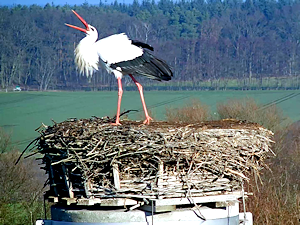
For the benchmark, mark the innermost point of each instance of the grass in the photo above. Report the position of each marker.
(21, 113)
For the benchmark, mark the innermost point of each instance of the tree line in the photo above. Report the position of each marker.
(203, 41)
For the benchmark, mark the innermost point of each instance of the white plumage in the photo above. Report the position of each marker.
(86, 57)
(117, 48)
(118, 55)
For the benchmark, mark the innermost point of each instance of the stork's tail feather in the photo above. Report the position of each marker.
(165, 72)
(147, 65)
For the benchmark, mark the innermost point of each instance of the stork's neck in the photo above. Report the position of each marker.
(89, 40)
(86, 56)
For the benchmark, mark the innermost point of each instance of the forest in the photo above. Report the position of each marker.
(209, 42)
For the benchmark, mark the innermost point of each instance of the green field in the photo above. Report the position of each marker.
(21, 113)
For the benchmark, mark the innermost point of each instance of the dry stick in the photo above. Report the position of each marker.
(83, 164)
(61, 161)
(94, 148)
(32, 142)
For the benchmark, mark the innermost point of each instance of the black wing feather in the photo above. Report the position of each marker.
(147, 65)
(141, 44)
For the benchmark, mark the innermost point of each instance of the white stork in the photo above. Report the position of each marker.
(120, 56)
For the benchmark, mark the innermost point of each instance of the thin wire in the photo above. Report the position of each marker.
(244, 205)
(191, 200)
(45, 210)
(164, 103)
(279, 100)
(228, 213)
(276, 100)
(152, 209)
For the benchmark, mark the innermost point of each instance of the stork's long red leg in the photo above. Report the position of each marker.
(140, 87)
(120, 93)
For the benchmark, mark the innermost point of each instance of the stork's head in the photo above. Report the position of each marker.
(86, 56)
(89, 30)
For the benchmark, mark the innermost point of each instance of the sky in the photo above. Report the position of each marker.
(56, 2)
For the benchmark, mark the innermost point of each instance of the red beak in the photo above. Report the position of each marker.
(82, 20)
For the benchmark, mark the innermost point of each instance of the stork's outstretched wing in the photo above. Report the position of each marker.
(120, 53)
(145, 65)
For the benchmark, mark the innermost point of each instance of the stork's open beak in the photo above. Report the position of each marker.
(82, 20)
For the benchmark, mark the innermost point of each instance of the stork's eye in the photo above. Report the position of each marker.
(92, 29)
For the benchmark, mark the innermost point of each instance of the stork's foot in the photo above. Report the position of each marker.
(117, 123)
(147, 120)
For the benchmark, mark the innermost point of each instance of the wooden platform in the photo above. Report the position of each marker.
(156, 205)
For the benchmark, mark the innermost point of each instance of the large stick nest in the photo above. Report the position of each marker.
(91, 157)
